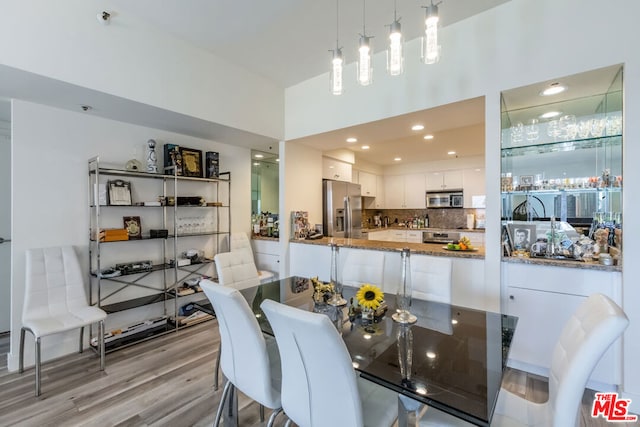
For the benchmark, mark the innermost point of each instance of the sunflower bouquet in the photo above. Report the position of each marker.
(368, 302)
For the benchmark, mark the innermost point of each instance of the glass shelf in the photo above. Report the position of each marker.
(561, 146)
(132, 174)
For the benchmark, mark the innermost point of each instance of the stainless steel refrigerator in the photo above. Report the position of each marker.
(342, 209)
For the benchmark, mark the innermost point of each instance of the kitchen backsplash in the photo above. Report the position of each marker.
(438, 218)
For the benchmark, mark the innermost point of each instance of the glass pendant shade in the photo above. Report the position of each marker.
(336, 72)
(395, 59)
(365, 69)
(430, 41)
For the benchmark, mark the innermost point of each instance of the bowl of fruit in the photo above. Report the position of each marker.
(464, 244)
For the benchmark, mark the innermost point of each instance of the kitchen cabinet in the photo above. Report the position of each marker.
(473, 184)
(414, 236)
(405, 191)
(267, 255)
(368, 184)
(444, 180)
(543, 298)
(380, 235)
(336, 170)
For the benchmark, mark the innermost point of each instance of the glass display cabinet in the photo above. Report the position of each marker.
(561, 157)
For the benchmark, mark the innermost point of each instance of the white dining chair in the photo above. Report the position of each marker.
(363, 267)
(250, 363)
(240, 241)
(319, 384)
(237, 270)
(431, 278)
(55, 301)
(588, 333)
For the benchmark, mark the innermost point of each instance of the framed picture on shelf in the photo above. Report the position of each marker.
(191, 162)
(507, 242)
(526, 182)
(172, 159)
(133, 226)
(119, 192)
(523, 235)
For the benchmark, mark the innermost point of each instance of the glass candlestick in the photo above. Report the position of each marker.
(403, 294)
(336, 298)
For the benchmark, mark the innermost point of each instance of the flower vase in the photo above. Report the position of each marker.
(337, 299)
(403, 294)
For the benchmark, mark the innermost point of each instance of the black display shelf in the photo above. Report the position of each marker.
(135, 302)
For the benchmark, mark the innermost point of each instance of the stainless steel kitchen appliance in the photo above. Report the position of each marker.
(445, 199)
(440, 237)
(342, 209)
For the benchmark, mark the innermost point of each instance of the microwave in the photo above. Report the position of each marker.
(448, 199)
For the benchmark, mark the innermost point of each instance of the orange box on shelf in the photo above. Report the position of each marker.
(113, 234)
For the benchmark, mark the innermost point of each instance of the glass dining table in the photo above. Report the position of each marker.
(451, 359)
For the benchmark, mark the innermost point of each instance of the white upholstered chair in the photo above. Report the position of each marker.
(431, 278)
(55, 301)
(594, 326)
(319, 384)
(240, 241)
(237, 270)
(249, 362)
(363, 267)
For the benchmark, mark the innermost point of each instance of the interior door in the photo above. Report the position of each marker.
(5, 227)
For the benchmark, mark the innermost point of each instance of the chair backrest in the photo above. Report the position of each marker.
(592, 328)
(244, 360)
(236, 269)
(319, 385)
(431, 278)
(239, 241)
(54, 282)
(363, 267)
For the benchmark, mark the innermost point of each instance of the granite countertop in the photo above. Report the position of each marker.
(395, 227)
(436, 249)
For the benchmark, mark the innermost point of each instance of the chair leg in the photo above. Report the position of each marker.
(216, 374)
(101, 344)
(273, 416)
(261, 413)
(37, 366)
(225, 392)
(288, 423)
(80, 347)
(21, 361)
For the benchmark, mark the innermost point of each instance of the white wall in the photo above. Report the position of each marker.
(5, 225)
(134, 60)
(49, 193)
(515, 44)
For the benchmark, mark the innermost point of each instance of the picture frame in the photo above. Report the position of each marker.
(172, 159)
(507, 241)
(191, 162)
(119, 192)
(526, 182)
(133, 226)
(522, 235)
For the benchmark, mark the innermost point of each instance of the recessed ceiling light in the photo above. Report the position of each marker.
(259, 156)
(417, 127)
(550, 114)
(256, 164)
(352, 139)
(397, 159)
(277, 160)
(553, 89)
(428, 136)
(365, 147)
(451, 153)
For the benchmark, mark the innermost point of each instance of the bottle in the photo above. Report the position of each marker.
(426, 221)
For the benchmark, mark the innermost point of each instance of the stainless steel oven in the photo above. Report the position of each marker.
(448, 199)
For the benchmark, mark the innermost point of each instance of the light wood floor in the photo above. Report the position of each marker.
(162, 382)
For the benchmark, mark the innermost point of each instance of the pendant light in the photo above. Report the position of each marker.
(337, 62)
(430, 41)
(395, 59)
(364, 69)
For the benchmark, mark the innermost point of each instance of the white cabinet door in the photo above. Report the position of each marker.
(414, 191)
(414, 236)
(473, 184)
(444, 180)
(380, 199)
(381, 235)
(368, 183)
(394, 192)
(335, 169)
(397, 235)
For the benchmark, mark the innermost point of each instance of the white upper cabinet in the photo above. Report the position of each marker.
(336, 170)
(473, 181)
(368, 183)
(405, 191)
(444, 180)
